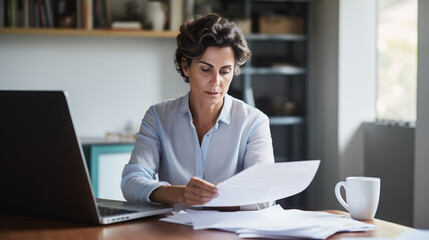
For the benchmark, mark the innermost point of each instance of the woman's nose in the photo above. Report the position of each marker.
(215, 79)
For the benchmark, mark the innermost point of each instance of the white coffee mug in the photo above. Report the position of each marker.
(362, 194)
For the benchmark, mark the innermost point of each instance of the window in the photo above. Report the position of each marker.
(397, 60)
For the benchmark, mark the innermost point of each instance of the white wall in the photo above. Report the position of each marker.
(421, 167)
(110, 80)
(357, 81)
(341, 91)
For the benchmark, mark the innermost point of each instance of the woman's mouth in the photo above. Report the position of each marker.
(212, 93)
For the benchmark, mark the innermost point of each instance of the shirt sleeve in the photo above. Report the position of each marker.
(259, 149)
(139, 176)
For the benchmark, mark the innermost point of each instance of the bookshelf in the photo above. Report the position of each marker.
(83, 32)
(87, 18)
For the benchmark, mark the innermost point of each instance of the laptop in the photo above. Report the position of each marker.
(43, 172)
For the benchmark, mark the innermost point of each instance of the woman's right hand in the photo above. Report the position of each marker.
(198, 192)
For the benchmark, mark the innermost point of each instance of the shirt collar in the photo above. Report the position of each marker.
(225, 114)
(184, 105)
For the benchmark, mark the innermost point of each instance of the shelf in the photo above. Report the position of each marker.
(105, 141)
(276, 37)
(286, 120)
(82, 32)
(286, 70)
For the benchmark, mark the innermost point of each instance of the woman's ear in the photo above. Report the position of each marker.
(185, 67)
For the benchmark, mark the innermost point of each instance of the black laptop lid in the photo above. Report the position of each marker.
(42, 170)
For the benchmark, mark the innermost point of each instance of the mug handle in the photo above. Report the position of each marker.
(338, 194)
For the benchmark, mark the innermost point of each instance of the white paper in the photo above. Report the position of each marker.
(181, 217)
(265, 182)
(273, 222)
(233, 220)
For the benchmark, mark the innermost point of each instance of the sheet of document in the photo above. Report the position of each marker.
(273, 222)
(265, 182)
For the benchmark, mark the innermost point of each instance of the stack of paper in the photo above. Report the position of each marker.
(273, 222)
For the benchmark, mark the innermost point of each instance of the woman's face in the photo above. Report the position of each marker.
(210, 76)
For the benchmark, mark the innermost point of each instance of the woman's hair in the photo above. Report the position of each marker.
(212, 30)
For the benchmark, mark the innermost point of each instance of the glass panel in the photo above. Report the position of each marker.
(397, 60)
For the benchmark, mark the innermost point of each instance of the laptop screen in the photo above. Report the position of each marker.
(42, 170)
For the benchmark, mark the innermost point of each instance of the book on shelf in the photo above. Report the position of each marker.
(86, 13)
(48, 8)
(95, 14)
(35, 10)
(11, 12)
(79, 14)
(42, 16)
(27, 13)
(2, 13)
(131, 25)
(176, 14)
(99, 14)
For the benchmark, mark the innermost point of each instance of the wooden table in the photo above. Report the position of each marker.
(22, 228)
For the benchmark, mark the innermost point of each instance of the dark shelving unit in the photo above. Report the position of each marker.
(275, 79)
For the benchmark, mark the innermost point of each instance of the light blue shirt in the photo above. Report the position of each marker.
(167, 144)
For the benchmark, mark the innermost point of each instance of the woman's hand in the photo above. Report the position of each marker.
(198, 192)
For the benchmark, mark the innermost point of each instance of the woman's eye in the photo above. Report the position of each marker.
(225, 72)
(205, 69)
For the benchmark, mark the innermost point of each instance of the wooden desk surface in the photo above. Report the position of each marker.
(20, 227)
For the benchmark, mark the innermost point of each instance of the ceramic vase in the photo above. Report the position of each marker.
(154, 15)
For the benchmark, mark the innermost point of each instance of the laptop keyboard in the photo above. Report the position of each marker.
(107, 212)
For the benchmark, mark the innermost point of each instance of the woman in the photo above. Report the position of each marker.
(205, 136)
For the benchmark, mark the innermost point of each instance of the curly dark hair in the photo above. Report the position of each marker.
(212, 30)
